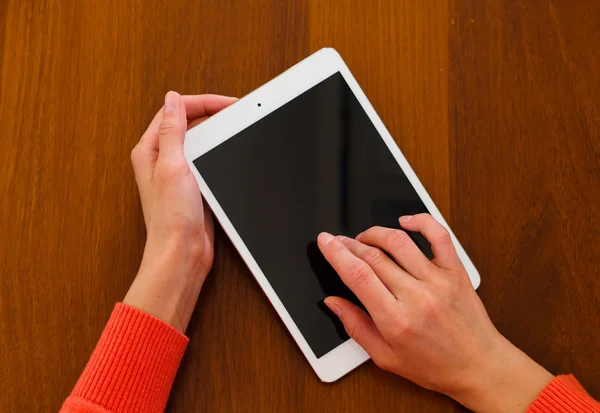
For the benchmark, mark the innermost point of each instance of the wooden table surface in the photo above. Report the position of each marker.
(494, 103)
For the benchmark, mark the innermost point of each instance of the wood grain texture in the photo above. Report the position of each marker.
(525, 143)
(495, 105)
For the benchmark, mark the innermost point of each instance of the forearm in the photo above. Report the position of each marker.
(514, 383)
(168, 283)
(132, 368)
(509, 383)
(135, 361)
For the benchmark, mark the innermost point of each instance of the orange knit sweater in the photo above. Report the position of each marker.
(135, 362)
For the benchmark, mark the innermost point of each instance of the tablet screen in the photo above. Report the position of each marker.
(315, 164)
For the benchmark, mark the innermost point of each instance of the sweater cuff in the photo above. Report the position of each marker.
(564, 394)
(134, 363)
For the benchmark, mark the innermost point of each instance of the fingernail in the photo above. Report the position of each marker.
(324, 238)
(358, 236)
(171, 102)
(331, 305)
(405, 219)
(340, 238)
(232, 98)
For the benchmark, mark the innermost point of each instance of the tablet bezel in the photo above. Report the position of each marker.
(250, 109)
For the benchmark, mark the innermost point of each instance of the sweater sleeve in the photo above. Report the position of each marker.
(564, 394)
(132, 368)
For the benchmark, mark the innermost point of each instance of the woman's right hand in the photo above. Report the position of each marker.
(427, 323)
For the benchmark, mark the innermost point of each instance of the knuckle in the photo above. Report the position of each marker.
(444, 237)
(374, 256)
(429, 221)
(432, 306)
(427, 218)
(359, 274)
(396, 239)
(166, 128)
(335, 246)
(372, 233)
(354, 332)
(453, 287)
(172, 168)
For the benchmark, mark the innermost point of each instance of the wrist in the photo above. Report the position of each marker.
(508, 381)
(167, 284)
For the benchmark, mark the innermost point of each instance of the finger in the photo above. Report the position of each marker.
(145, 153)
(362, 329)
(399, 245)
(392, 276)
(197, 121)
(356, 274)
(209, 234)
(205, 105)
(438, 236)
(209, 226)
(150, 137)
(171, 131)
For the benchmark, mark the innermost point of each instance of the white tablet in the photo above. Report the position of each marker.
(302, 154)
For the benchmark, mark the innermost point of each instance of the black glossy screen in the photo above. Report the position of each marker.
(315, 164)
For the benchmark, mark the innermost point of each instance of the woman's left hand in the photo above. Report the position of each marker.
(179, 244)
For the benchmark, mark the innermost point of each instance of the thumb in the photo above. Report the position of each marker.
(171, 131)
(363, 330)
